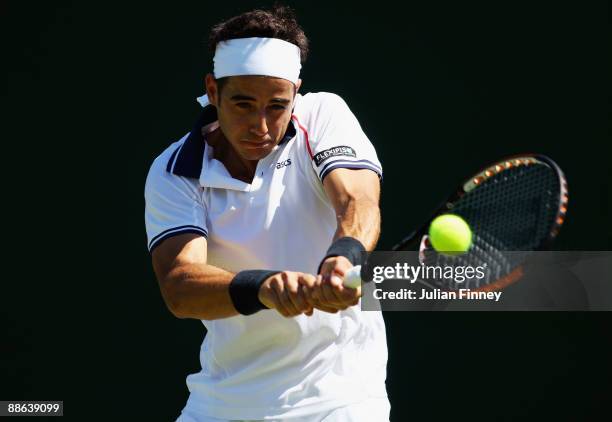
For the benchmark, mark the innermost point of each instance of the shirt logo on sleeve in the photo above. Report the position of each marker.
(341, 150)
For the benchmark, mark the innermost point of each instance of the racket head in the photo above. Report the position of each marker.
(513, 206)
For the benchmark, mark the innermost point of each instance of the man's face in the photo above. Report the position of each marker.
(253, 112)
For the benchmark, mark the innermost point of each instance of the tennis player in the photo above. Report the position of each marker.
(252, 219)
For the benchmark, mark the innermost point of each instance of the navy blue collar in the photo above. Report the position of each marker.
(187, 160)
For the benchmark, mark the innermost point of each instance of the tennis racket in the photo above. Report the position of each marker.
(513, 206)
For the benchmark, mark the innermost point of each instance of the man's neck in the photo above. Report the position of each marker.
(238, 167)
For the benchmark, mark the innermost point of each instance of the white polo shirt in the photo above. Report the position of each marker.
(264, 364)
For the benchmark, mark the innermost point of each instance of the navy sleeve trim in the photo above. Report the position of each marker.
(351, 165)
(352, 162)
(175, 232)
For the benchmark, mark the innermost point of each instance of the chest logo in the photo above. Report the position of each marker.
(282, 164)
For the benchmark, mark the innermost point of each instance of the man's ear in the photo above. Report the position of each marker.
(298, 85)
(211, 89)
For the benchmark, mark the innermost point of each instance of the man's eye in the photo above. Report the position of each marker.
(278, 107)
(243, 105)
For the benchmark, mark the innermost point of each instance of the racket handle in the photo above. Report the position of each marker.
(352, 278)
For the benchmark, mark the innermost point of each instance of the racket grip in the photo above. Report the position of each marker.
(352, 278)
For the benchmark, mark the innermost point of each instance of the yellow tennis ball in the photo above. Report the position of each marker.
(450, 234)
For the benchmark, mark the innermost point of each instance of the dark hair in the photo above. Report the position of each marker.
(278, 22)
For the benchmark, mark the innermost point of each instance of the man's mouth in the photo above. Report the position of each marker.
(256, 144)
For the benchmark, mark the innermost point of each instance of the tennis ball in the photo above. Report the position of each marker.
(450, 234)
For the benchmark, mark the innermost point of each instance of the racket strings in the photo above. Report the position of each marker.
(493, 263)
(517, 205)
(512, 211)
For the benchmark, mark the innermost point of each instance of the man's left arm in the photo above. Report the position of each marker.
(355, 196)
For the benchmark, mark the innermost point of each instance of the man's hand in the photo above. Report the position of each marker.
(294, 293)
(288, 292)
(329, 294)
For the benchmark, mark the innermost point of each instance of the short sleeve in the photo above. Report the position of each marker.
(173, 205)
(338, 140)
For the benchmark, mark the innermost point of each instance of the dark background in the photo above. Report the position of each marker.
(92, 93)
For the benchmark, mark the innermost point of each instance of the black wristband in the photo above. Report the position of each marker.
(244, 290)
(348, 247)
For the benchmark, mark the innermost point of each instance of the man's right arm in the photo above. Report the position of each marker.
(190, 287)
(193, 289)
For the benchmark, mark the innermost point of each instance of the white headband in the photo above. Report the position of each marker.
(258, 56)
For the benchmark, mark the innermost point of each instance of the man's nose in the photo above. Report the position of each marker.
(260, 125)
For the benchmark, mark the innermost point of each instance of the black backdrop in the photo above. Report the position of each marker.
(95, 92)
